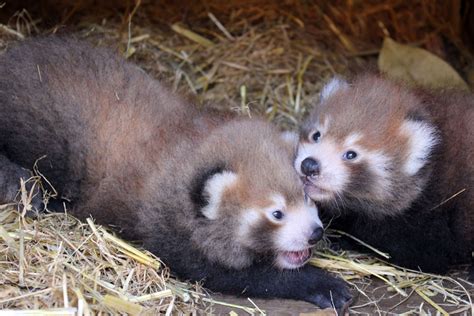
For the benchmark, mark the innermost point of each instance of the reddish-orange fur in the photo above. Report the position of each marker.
(124, 149)
(416, 222)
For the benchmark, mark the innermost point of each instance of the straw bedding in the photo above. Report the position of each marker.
(253, 57)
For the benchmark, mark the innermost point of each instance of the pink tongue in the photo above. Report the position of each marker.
(298, 256)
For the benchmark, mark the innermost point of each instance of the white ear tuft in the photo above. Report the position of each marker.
(291, 138)
(334, 85)
(214, 188)
(422, 138)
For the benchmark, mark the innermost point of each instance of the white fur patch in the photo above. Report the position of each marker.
(334, 174)
(378, 163)
(252, 216)
(294, 229)
(334, 85)
(248, 219)
(352, 139)
(422, 138)
(324, 127)
(321, 126)
(279, 201)
(215, 187)
(299, 223)
(290, 137)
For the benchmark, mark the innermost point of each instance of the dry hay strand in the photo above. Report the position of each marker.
(445, 295)
(255, 56)
(51, 263)
(266, 57)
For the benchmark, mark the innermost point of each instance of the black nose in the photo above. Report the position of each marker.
(316, 236)
(310, 167)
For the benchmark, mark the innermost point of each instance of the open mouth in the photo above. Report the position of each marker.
(295, 259)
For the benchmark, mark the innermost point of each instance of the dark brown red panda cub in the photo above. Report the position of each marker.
(215, 198)
(394, 167)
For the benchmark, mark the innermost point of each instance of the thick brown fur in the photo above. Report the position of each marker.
(122, 148)
(423, 220)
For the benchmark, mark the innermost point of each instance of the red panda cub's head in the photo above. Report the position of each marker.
(251, 201)
(366, 147)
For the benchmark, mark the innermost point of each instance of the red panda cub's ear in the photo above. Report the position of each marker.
(214, 188)
(422, 139)
(334, 85)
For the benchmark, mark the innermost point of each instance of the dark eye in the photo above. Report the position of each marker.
(278, 214)
(350, 155)
(316, 136)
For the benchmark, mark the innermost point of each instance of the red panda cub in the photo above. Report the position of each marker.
(216, 198)
(393, 166)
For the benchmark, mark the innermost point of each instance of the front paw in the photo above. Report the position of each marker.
(327, 291)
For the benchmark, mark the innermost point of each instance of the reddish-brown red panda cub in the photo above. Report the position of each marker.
(215, 198)
(394, 167)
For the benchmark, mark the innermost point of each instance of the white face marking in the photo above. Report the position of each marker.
(295, 228)
(351, 140)
(278, 203)
(323, 127)
(298, 224)
(249, 218)
(290, 137)
(422, 138)
(334, 173)
(334, 85)
(252, 216)
(215, 187)
(378, 163)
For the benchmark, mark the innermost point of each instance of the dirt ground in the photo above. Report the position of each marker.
(377, 299)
